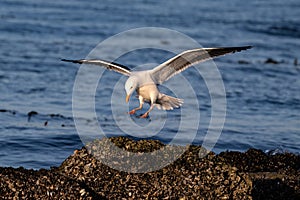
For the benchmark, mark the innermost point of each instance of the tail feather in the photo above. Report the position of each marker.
(166, 102)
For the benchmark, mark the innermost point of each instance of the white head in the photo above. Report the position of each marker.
(130, 86)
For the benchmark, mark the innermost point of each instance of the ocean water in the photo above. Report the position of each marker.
(37, 128)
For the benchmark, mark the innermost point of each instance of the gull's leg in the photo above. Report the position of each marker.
(145, 115)
(153, 99)
(141, 99)
(153, 93)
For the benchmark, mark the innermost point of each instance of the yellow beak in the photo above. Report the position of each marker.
(127, 98)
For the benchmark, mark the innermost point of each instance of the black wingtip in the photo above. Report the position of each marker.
(242, 48)
(72, 61)
(66, 60)
(248, 47)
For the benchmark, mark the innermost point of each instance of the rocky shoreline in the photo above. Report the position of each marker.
(228, 175)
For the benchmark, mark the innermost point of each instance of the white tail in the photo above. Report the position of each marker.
(166, 102)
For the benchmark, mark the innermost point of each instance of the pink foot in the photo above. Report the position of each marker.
(144, 115)
(131, 112)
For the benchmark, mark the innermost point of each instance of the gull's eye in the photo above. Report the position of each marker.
(131, 87)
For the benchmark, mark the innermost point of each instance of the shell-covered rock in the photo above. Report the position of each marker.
(189, 177)
(193, 174)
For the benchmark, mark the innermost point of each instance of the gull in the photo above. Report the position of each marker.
(145, 82)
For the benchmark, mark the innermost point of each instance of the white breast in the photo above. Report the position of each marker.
(148, 92)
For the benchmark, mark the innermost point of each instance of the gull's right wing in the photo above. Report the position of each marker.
(187, 58)
(108, 65)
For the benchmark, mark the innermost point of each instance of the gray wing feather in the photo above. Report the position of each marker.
(108, 65)
(182, 61)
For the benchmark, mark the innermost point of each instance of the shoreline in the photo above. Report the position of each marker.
(228, 175)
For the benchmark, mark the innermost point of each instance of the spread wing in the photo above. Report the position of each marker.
(108, 65)
(182, 61)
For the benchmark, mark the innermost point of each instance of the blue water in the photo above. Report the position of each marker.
(263, 100)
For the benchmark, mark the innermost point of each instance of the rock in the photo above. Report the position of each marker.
(189, 177)
(243, 62)
(273, 176)
(196, 174)
(272, 61)
(30, 114)
(43, 184)
(295, 62)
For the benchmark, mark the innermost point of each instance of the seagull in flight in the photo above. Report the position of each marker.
(145, 82)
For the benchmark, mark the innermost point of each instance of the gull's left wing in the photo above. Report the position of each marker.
(182, 61)
(108, 65)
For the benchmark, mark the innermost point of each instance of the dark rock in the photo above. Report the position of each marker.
(189, 177)
(295, 62)
(30, 114)
(9, 111)
(43, 184)
(243, 62)
(272, 61)
(273, 176)
(196, 174)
